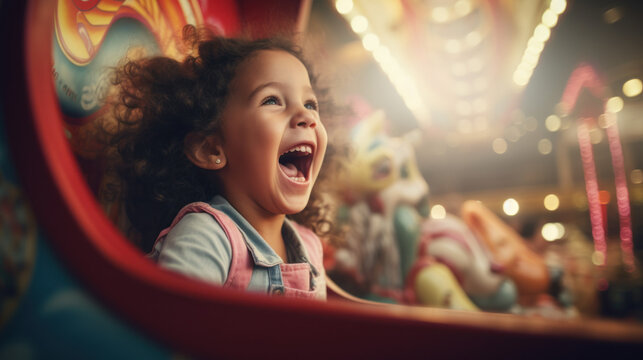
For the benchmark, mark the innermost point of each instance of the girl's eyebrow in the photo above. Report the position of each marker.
(275, 84)
(263, 86)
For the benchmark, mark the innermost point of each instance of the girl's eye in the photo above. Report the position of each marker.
(270, 100)
(311, 105)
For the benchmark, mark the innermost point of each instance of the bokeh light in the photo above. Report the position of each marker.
(551, 202)
(438, 212)
(552, 231)
(370, 42)
(510, 207)
(344, 6)
(636, 176)
(552, 123)
(359, 24)
(632, 87)
(545, 146)
(549, 18)
(499, 145)
(440, 14)
(598, 258)
(558, 6)
(614, 104)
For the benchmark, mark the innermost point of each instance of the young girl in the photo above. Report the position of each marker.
(214, 152)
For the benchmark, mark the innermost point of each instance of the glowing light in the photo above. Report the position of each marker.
(521, 78)
(558, 6)
(359, 24)
(598, 258)
(622, 198)
(595, 136)
(535, 46)
(440, 14)
(344, 6)
(591, 187)
(382, 54)
(552, 123)
(510, 207)
(604, 197)
(438, 212)
(542, 33)
(549, 18)
(632, 87)
(606, 120)
(370, 42)
(462, 7)
(499, 145)
(530, 60)
(614, 104)
(544, 146)
(613, 15)
(552, 231)
(473, 38)
(551, 202)
(636, 176)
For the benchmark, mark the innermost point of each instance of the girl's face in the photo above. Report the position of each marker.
(274, 142)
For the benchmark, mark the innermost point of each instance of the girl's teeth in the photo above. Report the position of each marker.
(303, 148)
(298, 179)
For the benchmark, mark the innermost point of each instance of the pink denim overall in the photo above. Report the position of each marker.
(292, 280)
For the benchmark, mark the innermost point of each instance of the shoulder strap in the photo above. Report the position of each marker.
(241, 265)
(312, 243)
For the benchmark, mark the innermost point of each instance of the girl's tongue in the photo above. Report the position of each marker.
(291, 170)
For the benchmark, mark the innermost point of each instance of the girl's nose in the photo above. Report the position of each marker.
(304, 118)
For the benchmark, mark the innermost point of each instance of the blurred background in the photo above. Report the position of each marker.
(531, 107)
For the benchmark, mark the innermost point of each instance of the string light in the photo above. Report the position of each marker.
(536, 43)
(591, 186)
(403, 83)
(359, 24)
(614, 104)
(344, 6)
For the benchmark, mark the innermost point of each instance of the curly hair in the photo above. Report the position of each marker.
(160, 101)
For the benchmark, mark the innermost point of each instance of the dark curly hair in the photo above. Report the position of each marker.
(158, 102)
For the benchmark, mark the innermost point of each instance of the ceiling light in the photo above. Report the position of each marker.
(359, 24)
(632, 87)
(344, 6)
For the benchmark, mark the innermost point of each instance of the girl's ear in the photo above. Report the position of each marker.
(205, 152)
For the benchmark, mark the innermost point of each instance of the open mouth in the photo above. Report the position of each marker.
(295, 162)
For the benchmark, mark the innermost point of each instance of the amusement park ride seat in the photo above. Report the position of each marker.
(204, 320)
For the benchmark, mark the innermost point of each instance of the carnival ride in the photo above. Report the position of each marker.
(75, 287)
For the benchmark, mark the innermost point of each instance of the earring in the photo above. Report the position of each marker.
(217, 161)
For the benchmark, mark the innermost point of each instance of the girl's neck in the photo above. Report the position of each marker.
(267, 225)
